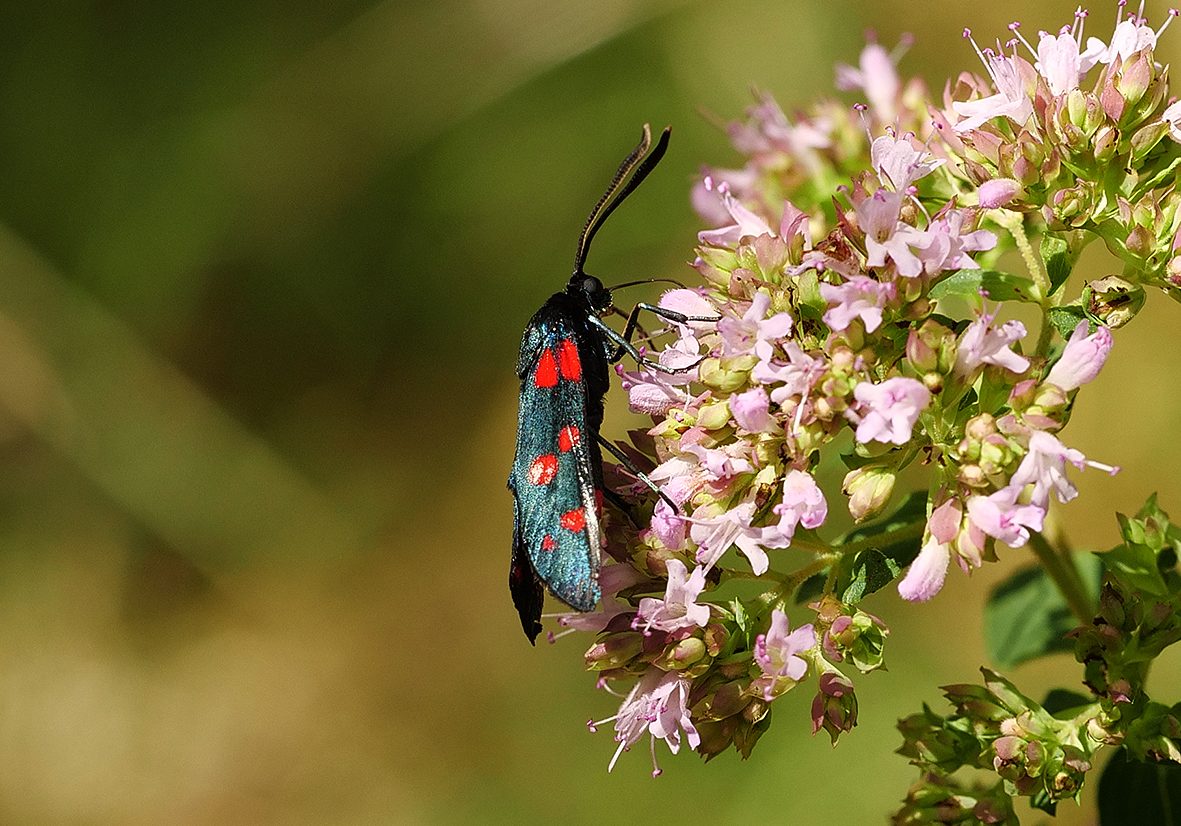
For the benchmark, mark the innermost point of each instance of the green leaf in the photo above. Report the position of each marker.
(1061, 699)
(1132, 793)
(869, 571)
(1026, 615)
(1065, 318)
(963, 283)
(1058, 260)
(892, 544)
(811, 588)
(1000, 286)
(1135, 566)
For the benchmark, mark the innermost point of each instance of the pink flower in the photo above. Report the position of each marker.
(877, 77)
(925, 577)
(859, 297)
(885, 237)
(1082, 359)
(740, 335)
(667, 523)
(691, 303)
(678, 609)
(720, 463)
(655, 392)
(803, 504)
(612, 580)
(1044, 466)
(983, 344)
(794, 378)
(746, 223)
(1060, 62)
(778, 655)
(943, 247)
(890, 409)
(658, 705)
(1013, 79)
(751, 411)
(1130, 36)
(899, 163)
(715, 535)
(1002, 518)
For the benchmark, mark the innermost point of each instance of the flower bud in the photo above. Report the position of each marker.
(998, 192)
(1146, 138)
(714, 416)
(1132, 80)
(726, 374)
(1105, 142)
(869, 489)
(834, 708)
(680, 655)
(614, 650)
(1113, 300)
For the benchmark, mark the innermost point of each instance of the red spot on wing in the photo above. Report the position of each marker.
(568, 361)
(568, 438)
(573, 521)
(548, 544)
(543, 470)
(546, 374)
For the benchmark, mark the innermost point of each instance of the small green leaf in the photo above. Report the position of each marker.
(962, 283)
(1061, 699)
(1065, 318)
(811, 588)
(870, 571)
(1135, 566)
(1058, 260)
(1003, 286)
(1026, 615)
(1132, 793)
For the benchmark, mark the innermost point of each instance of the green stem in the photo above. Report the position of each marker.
(1014, 222)
(1065, 575)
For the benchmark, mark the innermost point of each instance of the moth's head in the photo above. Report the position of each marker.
(590, 290)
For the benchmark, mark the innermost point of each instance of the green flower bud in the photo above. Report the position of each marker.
(714, 416)
(614, 651)
(869, 489)
(1133, 78)
(682, 654)
(1105, 143)
(727, 374)
(1146, 138)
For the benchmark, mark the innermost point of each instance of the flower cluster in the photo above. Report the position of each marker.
(851, 268)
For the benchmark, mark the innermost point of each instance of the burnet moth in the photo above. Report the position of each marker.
(557, 474)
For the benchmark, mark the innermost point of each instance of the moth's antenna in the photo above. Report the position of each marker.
(615, 287)
(637, 164)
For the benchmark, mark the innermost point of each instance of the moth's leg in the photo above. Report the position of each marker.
(635, 471)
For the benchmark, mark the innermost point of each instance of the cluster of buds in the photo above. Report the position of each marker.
(851, 270)
(995, 727)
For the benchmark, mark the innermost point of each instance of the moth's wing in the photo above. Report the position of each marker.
(526, 587)
(553, 478)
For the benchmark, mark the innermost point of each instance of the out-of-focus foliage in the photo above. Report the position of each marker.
(262, 272)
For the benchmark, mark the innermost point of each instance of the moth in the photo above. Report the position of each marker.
(557, 474)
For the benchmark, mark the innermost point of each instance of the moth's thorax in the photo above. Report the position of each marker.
(590, 291)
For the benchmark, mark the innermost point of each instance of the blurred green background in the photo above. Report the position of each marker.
(263, 271)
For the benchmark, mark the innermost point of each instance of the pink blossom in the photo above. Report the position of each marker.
(691, 303)
(899, 163)
(889, 410)
(1172, 116)
(769, 131)
(885, 237)
(720, 463)
(679, 608)
(704, 195)
(1130, 36)
(803, 504)
(667, 523)
(1082, 359)
(740, 335)
(944, 246)
(997, 193)
(794, 378)
(751, 411)
(1060, 62)
(655, 392)
(715, 535)
(983, 344)
(746, 223)
(1044, 466)
(657, 705)
(1002, 518)
(1013, 79)
(925, 577)
(859, 297)
(778, 655)
(877, 77)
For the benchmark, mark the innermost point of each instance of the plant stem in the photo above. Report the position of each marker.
(1015, 224)
(1066, 577)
